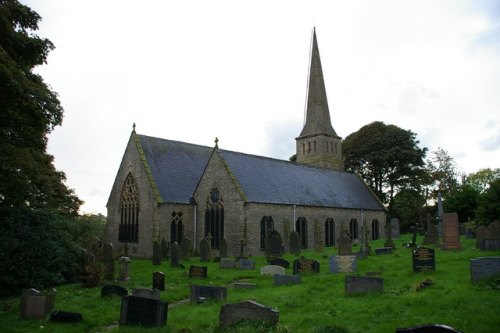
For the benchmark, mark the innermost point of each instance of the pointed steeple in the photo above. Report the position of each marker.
(317, 112)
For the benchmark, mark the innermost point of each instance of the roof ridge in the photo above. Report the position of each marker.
(174, 141)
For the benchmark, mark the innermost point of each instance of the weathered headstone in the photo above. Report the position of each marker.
(198, 271)
(433, 328)
(246, 310)
(204, 250)
(207, 292)
(318, 237)
(124, 269)
(113, 290)
(305, 266)
(294, 243)
(274, 244)
(365, 243)
(285, 279)
(227, 263)
(488, 237)
(35, 305)
(174, 254)
(109, 261)
(344, 243)
(186, 248)
(363, 284)
(451, 232)
(159, 281)
(388, 234)
(383, 250)
(431, 237)
(485, 268)
(223, 248)
(271, 270)
(246, 264)
(243, 249)
(423, 260)
(343, 264)
(395, 228)
(143, 311)
(92, 269)
(164, 248)
(146, 293)
(280, 262)
(156, 253)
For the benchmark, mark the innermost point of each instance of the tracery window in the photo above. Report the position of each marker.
(266, 225)
(353, 229)
(301, 228)
(128, 230)
(329, 232)
(176, 227)
(214, 218)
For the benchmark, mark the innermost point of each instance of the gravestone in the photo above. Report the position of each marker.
(186, 248)
(164, 248)
(92, 269)
(143, 311)
(274, 244)
(109, 261)
(294, 243)
(365, 244)
(485, 268)
(156, 253)
(174, 254)
(305, 266)
(344, 243)
(124, 269)
(489, 244)
(246, 310)
(204, 250)
(246, 264)
(113, 290)
(431, 237)
(280, 262)
(383, 250)
(271, 270)
(286, 279)
(423, 260)
(35, 305)
(159, 281)
(286, 235)
(318, 237)
(488, 236)
(223, 248)
(363, 284)
(433, 328)
(343, 264)
(227, 263)
(146, 293)
(207, 292)
(395, 233)
(243, 248)
(451, 232)
(66, 317)
(388, 234)
(198, 271)
(244, 285)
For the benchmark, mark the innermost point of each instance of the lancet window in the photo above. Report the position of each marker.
(214, 218)
(301, 228)
(329, 232)
(176, 227)
(128, 230)
(266, 225)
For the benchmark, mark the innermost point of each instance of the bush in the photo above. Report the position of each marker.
(36, 250)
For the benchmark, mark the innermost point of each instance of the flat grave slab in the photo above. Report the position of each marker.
(207, 292)
(286, 279)
(272, 270)
(363, 284)
(198, 271)
(246, 264)
(485, 268)
(227, 263)
(383, 250)
(343, 263)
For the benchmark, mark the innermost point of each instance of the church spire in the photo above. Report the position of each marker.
(317, 112)
(318, 144)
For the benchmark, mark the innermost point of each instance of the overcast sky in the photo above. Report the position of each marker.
(237, 70)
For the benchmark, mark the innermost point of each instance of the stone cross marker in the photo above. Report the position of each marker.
(124, 269)
(451, 232)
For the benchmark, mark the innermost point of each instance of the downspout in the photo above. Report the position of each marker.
(293, 222)
(193, 202)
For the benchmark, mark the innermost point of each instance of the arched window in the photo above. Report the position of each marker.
(329, 232)
(214, 219)
(375, 230)
(266, 225)
(176, 227)
(128, 230)
(301, 228)
(353, 228)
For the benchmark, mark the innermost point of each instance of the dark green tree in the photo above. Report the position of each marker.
(463, 200)
(29, 112)
(482, 179)
(408, 207)
(488, 209)
(443, 174)
(387, 157)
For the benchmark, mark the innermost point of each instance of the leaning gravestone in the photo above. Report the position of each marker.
(35, 305)
(156, 253)
(305, 266)
(143, 311)
(159, 281)
(124, 269)
(246, 310)
(344, 244)
(204, 250)
(207, 292)
(198, 271)
(271, 270)
(146, 293)
(286, 279)
(174, 254)
(395, 228)
(109, 261)
(113, 290)
(424, 260)
(485, 268)
(451, 232)
(246, 264)
(185, 248)
(343, 264)
(294, 243)
(223, 248)
(363, 284)
(280, 262)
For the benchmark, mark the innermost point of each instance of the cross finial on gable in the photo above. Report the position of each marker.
(133, 127)
(216, 142)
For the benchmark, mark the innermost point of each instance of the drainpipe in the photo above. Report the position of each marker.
(193, 202)
(294, 207)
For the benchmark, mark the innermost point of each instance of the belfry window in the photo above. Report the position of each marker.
(329, 232)
(308, 147)
(303, 148)
(266, 226)
(176, 227)
(314, 145)
(301, 228)
(128, 230)
(214, 218)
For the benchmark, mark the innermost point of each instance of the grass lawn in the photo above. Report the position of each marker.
(319, 304)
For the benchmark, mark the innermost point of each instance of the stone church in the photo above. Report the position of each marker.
(166, 189)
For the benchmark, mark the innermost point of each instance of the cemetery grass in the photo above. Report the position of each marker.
(318, 304)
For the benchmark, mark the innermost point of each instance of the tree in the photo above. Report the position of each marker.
(442, 172)
(481, 179)
(408, 207)
(488, 209)
(462, 200)
(386, 157)
(29, 112)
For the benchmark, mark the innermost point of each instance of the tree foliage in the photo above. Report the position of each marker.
(462, 200)
(387, 157)
(29, 112)
(482, 179)
(488, 209)
(443, 174)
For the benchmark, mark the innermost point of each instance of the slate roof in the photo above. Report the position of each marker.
(177, 167)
